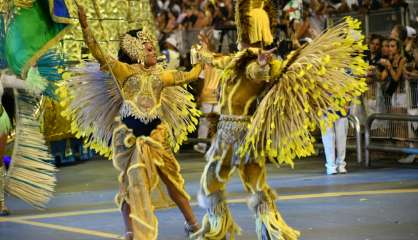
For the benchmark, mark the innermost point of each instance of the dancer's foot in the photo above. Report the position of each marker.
(200, 147)
(129, 236)
(191, 228)
(3, 210)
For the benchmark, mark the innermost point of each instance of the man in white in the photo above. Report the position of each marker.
(335, 140)
(171, 53)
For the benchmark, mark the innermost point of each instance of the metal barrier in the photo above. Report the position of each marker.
(353, 122)
(356, 125)
(386, 147)
(373, 20)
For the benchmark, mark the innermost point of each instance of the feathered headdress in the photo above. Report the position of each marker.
(253, 19)
(134, 46)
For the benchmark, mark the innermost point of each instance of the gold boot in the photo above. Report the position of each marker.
(269, 223)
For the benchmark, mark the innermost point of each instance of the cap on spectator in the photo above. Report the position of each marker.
(411, 32)
(172, 40)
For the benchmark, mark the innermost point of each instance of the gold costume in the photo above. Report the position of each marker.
(210, 88)
(268, 112)
(146, 94)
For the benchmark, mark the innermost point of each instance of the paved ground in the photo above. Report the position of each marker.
(366, 204)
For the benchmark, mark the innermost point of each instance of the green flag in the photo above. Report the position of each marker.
(32, 31)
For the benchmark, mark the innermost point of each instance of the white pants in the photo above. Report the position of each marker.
(204, 123)
(335, 140)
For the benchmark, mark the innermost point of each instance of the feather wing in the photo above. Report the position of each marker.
(180, 113)
(311, 83)
(92, 101)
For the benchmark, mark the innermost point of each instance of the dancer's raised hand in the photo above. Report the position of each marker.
(264, 57)
(204, 39)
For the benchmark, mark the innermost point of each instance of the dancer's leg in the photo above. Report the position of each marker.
(169, 173)
(269, 223)
(181, 201)
(217, 222)
(126, 211)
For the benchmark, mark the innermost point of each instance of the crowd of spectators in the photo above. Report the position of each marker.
(197, 14)
(393, 58)
(299, 21)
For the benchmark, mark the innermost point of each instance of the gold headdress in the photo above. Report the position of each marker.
(134, 46)
(253, 19)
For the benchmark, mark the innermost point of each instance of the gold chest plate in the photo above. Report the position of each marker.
(142, 93)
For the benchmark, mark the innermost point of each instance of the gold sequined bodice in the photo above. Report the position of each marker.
(142, 92)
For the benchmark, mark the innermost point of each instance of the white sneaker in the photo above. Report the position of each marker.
(342, 169)
(200, 148)
(408, 159)
(332, 171)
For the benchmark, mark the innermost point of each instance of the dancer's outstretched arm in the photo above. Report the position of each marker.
(176, 78)
(217, 60)
(120, 70)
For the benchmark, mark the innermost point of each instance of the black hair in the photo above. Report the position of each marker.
(122, 56)
(376, 36)
(403, 34)
(398, 43)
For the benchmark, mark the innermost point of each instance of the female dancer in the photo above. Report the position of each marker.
(152, 113)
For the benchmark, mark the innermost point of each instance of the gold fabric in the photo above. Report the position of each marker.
(136, 80)
(223, 158)
(259, 27)
(54, 126)
(239, 92)
(223, 153)
(210, 85)
(116, 17)
(141, 189)
(144, 89)
(152, 92)
(253, 19)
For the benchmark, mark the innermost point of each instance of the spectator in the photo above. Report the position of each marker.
(312, 25)
(169, 6)
(334, 140)
(399, 33)
(373, 95)
(171, 53)
(411, 74)
(369, 5)
(393, 68)
(294, 10)
(162, 19)
(166, 22)
(411, 71)
(410, 43)
(385, 49)
(374, 53)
